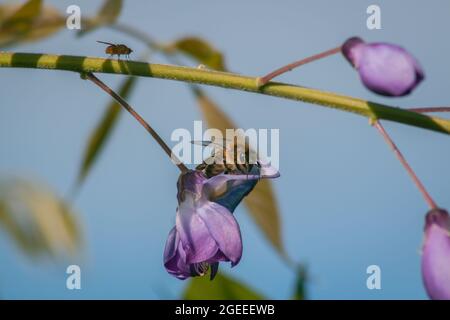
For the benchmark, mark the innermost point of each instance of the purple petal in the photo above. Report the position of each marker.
(228, 190)
(219, 185)
(388, 69)
(384, 68)
(352, 49)
(267, 171)
(224, 228)
(191, 181)
(170, 249)
(175, 257)
(195, 237)
(436, 255)
(235, 192)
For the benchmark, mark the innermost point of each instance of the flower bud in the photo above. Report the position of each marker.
(436, 255)
(384, 68)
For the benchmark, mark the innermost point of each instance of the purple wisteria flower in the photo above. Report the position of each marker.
(436, 255)
(384, 68)
(206, 232)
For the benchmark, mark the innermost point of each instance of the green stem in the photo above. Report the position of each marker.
(234, 81)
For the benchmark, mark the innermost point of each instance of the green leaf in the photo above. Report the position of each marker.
(37, 219)
(107, 14)
(221, 288)
(29, 22)
(261, 202)
(103, 130)
(263, 207)
(201, 51)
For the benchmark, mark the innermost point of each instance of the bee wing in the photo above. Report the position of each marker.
(224, 143)
(204, 143)
(216, 147)
(239, 140)
(209, 143)
(108, 43)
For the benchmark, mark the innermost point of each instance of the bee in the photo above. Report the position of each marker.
(228, 157)
(117, 49)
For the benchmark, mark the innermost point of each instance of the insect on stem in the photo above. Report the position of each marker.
(263, 80)
(144, 123)
(116, 49)
(405, 164)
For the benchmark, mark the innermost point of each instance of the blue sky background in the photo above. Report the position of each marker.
(346, 202)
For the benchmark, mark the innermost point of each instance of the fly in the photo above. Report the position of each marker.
(117, 49)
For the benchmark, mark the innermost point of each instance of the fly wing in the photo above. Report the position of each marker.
(108, 43)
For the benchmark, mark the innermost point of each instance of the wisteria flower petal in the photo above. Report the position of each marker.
(194, 234)
(436, 255)
(235, 192)
(175, 257)
(238, 188)
(268, 171)
(224, 228)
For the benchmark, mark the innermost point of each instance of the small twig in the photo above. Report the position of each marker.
(405, 164)
(263, 80)
(429, 109)
(144, 123)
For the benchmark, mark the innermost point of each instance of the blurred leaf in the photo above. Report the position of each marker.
(49, 22)
(221, 288)
(110, 11)
(29, 22)
(262, 205)
(300, 283)
(212, 113)
(261, 202)
(39, 221)
(21, 21)
(201, 51)
(108, 14)
(103, 130)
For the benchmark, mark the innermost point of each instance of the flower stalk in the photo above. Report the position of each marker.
(144, 123)
(376, 123)
(431, 203)
(264, 80)
(429, 109)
